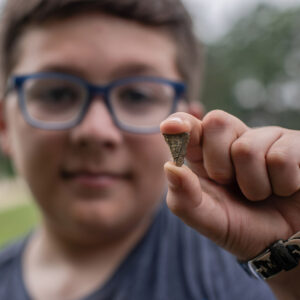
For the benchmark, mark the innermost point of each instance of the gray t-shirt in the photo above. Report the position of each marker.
(171, 262)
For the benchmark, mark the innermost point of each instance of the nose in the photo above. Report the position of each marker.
(97, 126)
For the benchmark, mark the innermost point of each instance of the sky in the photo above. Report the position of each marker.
(213, 18)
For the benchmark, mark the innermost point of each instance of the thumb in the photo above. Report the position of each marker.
(197, 209)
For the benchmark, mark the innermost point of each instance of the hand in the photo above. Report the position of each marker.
(241, 187)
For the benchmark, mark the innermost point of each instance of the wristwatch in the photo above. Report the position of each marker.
(282, 255)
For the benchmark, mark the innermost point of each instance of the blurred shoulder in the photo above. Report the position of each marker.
(11, 253)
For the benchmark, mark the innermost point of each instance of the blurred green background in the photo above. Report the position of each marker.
(252, 72)
(18, 214)
(16, 222)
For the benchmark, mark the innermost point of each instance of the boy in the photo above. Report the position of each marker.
(87, 84)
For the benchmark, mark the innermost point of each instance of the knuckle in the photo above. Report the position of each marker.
(285, 191)
(286, 188)
(243, 150)
(215, 119)
(278, 159)
(220, 176)
(258, 195)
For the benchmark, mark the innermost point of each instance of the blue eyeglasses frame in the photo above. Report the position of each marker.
(17, 82)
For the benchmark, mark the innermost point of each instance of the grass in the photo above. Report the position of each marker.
(17, 221)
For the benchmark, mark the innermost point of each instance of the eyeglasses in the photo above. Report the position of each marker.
(56, 101)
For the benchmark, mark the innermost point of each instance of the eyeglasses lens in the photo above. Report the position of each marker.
(52, 100)
(142, 104)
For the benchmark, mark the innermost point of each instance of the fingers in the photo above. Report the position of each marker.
(283, 160)
(266, 162)
(183, 122)
(182, 181)
(249, 158)
(186, 200)
(220, 130)
(208, 155)
(261, 161)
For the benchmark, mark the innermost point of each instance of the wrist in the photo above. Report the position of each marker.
(280, 256)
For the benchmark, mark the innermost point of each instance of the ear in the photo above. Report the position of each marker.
(4, 140)
(196, 109)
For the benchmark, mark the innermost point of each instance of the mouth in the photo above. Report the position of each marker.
(94, 179)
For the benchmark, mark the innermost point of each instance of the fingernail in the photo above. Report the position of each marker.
(172, 120)
(175, 120)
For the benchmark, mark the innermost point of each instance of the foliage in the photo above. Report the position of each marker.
(6, 168)
(15, 222)
(254, 71)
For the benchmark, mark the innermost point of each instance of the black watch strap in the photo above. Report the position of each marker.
(282, 255)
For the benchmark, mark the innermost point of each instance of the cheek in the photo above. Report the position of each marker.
(149, 154)
(34, 152)
(38, 163)
(151, 151)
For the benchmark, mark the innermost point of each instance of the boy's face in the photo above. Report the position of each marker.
(115, 179)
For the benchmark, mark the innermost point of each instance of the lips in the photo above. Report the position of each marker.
(94, 178)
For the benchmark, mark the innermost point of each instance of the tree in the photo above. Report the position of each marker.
(254, 71)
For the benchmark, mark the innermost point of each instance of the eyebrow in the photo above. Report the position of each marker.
(136, 69)
(126, 70)
(63, 69)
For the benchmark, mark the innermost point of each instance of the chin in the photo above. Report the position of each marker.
(103, 214)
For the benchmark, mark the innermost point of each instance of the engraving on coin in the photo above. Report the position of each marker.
(178, 145)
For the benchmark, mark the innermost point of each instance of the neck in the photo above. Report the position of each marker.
(81, 266)
(51, 243)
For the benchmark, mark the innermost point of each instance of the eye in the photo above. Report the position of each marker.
(134, 96)
(58, 95)
(142, 98)
(53, 94)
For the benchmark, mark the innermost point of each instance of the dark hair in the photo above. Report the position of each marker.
(169, 14)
